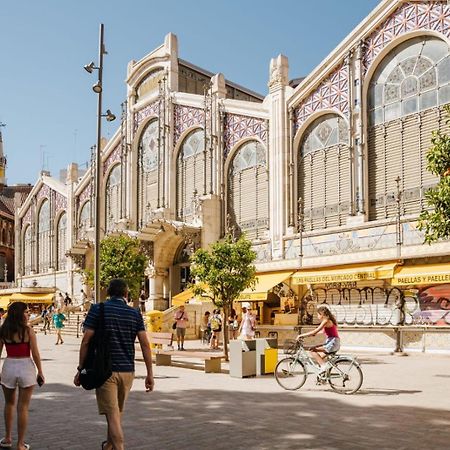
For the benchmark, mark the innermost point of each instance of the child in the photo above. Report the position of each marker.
(332, 343)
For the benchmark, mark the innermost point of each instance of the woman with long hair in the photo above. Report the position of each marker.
(328, 324)
(18, 370)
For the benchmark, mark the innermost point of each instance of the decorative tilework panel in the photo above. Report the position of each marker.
(186, 117)
(150, 110)
(28, 215)
(44, 192)
(237, 127)
(60, 202)
(87, 192)
(113, 157)
(332, 93)
(432, 16)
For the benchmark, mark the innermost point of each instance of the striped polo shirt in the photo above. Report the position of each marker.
(123, 324)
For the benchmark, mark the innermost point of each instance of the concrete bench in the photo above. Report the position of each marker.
(163, 357)
(213, 361)
(160, 338)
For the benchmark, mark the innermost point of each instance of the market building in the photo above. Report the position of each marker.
(326, 175)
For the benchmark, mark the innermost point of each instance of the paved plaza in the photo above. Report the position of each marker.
(403, 405)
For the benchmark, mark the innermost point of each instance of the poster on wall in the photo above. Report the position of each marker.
(432, 304)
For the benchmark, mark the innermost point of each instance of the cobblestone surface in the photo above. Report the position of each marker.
(403, 405)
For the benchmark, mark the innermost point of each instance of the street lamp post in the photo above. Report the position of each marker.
(98, 88)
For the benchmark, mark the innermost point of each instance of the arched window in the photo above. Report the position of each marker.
(324, 173)
(190, 175)
(27, 244)
(61, 231)
(84, 220)
(248, 190)
(148, 173)
(43, 250)
(113, 191)
(406, 95)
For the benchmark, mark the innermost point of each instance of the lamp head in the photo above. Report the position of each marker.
(90, 67)
(110, 116)
(97, 88)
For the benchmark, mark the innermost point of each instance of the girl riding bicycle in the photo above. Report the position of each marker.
(332, 343)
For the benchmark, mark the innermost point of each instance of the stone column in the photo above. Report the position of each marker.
(71, 180)
(158, 283)
(278, 152)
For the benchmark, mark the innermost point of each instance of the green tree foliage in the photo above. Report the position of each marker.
(223, 272)
(120, 257)
(435, 222)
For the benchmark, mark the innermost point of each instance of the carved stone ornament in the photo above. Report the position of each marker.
(147, 248)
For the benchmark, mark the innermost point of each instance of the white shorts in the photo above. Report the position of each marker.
(18, 372)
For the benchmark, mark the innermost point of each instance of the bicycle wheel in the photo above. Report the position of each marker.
(345, 376)
(290, 374)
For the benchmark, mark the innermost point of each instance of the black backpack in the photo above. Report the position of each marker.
(97, 366)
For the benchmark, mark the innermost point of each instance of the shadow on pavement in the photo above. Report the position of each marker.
(385, 392)
(64, 417)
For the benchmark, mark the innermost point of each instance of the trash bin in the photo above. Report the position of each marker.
(242, 358)
(266, 355)
(153, 322)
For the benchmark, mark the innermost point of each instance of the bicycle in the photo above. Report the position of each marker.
(342, 372)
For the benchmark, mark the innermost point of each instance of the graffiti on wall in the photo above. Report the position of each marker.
(379, 306)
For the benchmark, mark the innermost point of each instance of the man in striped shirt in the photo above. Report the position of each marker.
(124, 324)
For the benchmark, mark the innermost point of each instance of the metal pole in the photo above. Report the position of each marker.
(98, 172)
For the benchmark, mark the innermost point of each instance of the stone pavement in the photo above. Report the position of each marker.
(404, 404)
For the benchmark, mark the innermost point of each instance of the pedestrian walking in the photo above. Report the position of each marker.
(58, 322)
(18, 371)
(205, 328)
(181, 322)
(67, 300)
(215, 323)
(46, 320)
(233, 324)
(60, 302)
(248, 323)
(142, 299)
(123, 324)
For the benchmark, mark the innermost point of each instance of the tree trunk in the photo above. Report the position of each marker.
(226, 313)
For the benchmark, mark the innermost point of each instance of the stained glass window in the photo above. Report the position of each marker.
(27, 244)
(61, 242)
(44, 237)
(113, 198)
(190, 175)
(324, 173)
(148, 172)
(248, 190)
(413, 77)
(325, 132)
(84, 221)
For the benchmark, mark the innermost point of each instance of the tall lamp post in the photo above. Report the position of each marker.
(98, 88)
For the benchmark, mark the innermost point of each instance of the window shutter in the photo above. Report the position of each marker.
(376, 172)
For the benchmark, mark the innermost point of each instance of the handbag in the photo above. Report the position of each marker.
(174, 325)
(98, 365)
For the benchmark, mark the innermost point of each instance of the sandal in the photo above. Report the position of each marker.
(103, 444)
(4, 444)
(27, 446)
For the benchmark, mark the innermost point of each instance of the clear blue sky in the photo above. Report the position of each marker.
(45, 95)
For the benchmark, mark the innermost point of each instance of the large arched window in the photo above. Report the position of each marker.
(43, 235)
(61, 231)
(84, 220)
(406, 95)
(148, 173)
(27, 252)
(112, 209)
(248, 190)
(190, 175)
(324, 173)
